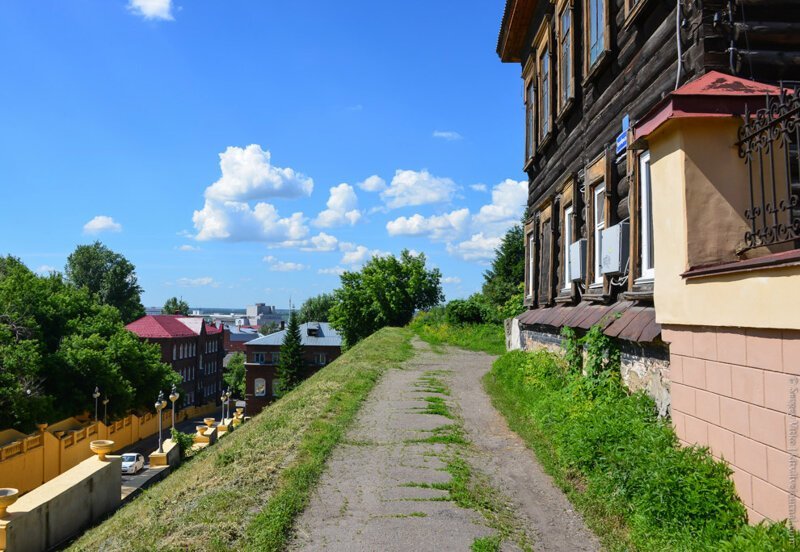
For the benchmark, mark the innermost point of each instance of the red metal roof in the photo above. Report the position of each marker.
(714, 94)
(162, 326)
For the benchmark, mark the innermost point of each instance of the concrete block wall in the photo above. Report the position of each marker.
(736, 391)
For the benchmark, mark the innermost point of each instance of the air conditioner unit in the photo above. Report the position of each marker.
(616, 240)
(577, 261)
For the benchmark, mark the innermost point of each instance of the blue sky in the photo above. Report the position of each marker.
(249, 150)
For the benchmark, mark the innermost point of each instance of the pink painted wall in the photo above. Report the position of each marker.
(736, 391)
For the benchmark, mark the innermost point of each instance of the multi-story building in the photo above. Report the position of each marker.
(661, 209)
(193, 348)
(321, 346)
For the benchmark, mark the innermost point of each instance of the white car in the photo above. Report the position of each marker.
(132, 463)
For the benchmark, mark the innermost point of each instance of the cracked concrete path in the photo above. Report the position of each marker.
(365, 500)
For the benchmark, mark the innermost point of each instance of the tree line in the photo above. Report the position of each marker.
(63, 335)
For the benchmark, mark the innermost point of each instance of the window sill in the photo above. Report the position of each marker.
(776, 260)
(566, 296)
(602, 60)
(634, 13)
(528, 165)
(565, 109)
(596, 294)
(544, 141)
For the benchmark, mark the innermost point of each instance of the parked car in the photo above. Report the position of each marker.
(132, 463)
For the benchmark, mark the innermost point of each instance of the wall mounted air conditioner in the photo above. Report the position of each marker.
(616, 240)
(577, 261)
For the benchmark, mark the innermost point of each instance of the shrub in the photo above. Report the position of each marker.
(185, 441)
(595, 436)
(464, 311)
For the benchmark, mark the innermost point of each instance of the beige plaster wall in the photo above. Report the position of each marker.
(696, 164)
(64, 506)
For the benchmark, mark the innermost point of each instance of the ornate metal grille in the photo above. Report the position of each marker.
(768, 143)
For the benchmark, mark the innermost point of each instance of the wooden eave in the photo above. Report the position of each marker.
(514, 29)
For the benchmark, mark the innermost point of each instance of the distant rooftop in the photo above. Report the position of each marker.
(315, 334)
(170, 325)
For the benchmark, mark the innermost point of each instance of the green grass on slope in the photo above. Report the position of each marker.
(489, 338)
(246, 491)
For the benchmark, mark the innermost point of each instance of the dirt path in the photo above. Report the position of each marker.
(397, 481)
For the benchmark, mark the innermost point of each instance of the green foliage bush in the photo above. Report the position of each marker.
(464, 311)
(185, 441)
(626, 458)
(432, 327)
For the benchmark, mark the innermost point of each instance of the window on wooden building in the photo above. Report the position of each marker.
(544, 80)
(566, 70)
(530, 118)
(596, 32)
(599, 224)
(647, 253)
(567, 239)
(545, 255)
(531, 254)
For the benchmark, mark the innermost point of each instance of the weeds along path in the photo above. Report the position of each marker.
(430, 465)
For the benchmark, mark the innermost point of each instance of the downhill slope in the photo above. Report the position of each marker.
(245, 492)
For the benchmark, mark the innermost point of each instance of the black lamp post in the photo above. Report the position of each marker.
(160, 404)
(96, 396)
(174, 396)
(105, 410)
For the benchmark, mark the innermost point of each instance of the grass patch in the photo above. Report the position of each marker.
(450, 434)
(489, 338)
(486, 544)
(432, 383)
(245, 492)
(620, 465)
(438, 407)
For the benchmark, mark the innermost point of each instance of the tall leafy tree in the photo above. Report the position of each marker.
(234, 375)
(268, 328)
(173, 305)
(57, 342)
(291, 367)
(386, 292)
(316, 309)
(502, 281)
(107, 275)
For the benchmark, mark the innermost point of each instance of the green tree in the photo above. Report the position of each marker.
(316, 309)
(386, 292)
(57, 342)
(291, 368)
(502, 281)
(268, 328)
(234, 375)
(173, 305)
(107, 275)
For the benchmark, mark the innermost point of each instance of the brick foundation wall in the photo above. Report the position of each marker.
(736, 392)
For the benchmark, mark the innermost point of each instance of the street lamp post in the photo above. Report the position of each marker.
(160, 404)
(174, 396)
(222, 412)
(105, 410)
(96, 396)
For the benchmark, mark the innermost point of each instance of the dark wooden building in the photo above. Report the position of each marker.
(590, 70)
(193, 348)
(321, 346)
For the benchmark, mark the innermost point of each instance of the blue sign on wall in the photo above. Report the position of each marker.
(622, 139)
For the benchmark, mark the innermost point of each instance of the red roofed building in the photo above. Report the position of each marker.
(193, 348)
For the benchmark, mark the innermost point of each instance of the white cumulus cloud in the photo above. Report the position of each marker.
(197, 282)
(335, 270)
(342, 208)
(283, 266)
(187, 248)
(101, 223)
(445, 227)
(373, 184)
(320, 242)
(479, 187)
(478, 248)
(152, 9)
(451, 280)
(247, 173)
(235, 221)
(508, 203)
(448, 135)
(410, 188)
(44, 270)
(358, 254)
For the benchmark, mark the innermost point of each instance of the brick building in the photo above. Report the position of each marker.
(321, 346)
(193, 348)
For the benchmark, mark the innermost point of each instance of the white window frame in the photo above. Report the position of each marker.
(531, 264)
(645, 205)
(598, 199)
(260, 358)
(567, 222)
